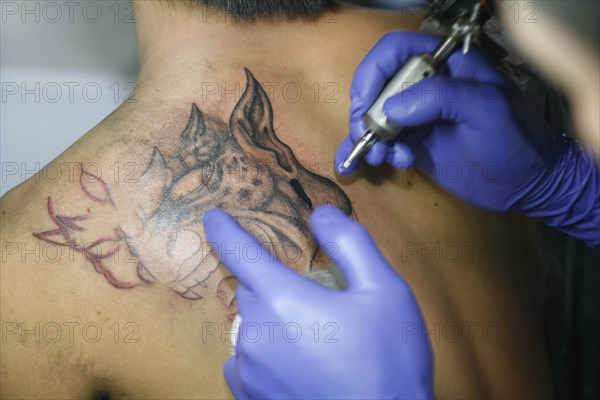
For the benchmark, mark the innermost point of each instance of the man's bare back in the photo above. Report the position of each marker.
(121, 294)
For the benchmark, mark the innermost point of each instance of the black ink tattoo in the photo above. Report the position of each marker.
(242, 168)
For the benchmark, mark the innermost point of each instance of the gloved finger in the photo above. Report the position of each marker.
(246, 301)
(382, 62)
(407, 148)
(445, 99)
(351, 247)
(378, 153)
(232, 378)
(247, 337)
(357, 128)
(262, 274)
(401, 155)
(475, 67)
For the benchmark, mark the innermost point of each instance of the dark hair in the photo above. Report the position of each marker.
(250, 10)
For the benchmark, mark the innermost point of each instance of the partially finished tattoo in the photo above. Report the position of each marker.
(242, 168)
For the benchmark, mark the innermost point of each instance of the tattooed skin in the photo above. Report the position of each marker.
(242, 168)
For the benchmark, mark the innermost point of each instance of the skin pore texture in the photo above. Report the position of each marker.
(246, 117)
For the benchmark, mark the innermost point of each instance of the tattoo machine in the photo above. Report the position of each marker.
(465, 29)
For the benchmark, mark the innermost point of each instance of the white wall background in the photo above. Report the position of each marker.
(64, 66)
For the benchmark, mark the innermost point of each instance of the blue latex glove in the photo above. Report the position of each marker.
(368, 342)
(472, 131)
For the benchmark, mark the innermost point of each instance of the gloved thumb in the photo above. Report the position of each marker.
(261, 274)
(350, 246)
(233, 380)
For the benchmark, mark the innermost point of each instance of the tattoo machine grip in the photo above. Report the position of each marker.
(415, 70)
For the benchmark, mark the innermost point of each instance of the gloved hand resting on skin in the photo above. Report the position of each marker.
(367, 342)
